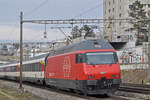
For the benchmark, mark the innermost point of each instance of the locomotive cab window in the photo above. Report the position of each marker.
(96, 58)
(115, 57)
(79, 58)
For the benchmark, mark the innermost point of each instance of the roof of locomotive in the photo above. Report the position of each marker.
(84, 45)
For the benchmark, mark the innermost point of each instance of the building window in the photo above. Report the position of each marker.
(119, 23)
(130, 6)
(113, 9)
(113, 1)
(114, 27)
(109, 3)
(109, 10)
(148, 5)
(119, 15)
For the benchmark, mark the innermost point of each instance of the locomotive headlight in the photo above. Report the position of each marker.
(90, 76)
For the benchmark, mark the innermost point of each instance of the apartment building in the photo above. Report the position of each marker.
(118, 9)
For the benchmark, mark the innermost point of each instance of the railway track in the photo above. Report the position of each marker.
(136, 88)
(80, 95)
(77, 95)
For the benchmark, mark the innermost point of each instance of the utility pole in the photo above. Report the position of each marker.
(149, 46)
(111, 32)
(21, 49)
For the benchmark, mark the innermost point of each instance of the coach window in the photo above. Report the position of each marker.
(32, 67)
(1, 70)
(7, 69)
(38, 64)
(115, 57)
(23, 68)
(37, 67)
(13, 69)
(26, 66)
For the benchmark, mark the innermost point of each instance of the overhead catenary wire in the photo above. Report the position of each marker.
(12, 28)
(36, 8)
(27, 14)
(88, 10)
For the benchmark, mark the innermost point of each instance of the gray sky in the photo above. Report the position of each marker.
(43, 9)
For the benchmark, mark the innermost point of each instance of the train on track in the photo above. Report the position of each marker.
(90, 67)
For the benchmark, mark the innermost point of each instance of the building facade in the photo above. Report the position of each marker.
(118, 9)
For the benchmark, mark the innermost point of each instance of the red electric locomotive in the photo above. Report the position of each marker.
(90, 67)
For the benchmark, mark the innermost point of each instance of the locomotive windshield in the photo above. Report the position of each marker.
(95, 58)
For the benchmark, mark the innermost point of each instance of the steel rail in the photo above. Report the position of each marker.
(136, 88)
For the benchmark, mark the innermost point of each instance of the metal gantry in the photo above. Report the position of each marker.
(78, 21)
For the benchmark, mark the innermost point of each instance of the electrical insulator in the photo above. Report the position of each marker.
(45, 37)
